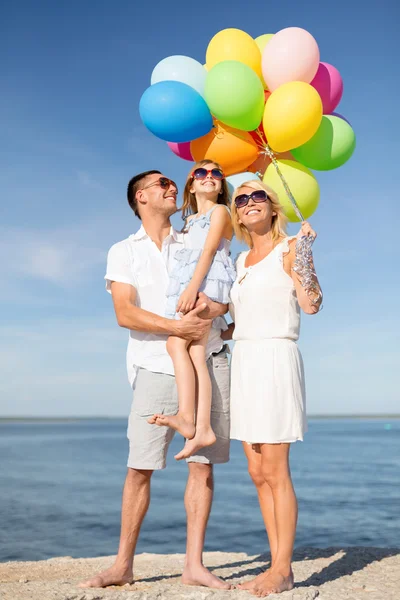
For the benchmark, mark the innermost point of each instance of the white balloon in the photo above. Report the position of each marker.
(183, 69)
(235, 181)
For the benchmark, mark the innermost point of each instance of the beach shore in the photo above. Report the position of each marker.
(327, 574)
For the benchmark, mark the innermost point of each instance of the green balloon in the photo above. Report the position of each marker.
(330, 147)
(235, 95)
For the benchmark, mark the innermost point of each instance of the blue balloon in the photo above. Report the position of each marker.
(175, 112)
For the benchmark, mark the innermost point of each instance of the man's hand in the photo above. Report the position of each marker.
(192, 326)
(212, 309)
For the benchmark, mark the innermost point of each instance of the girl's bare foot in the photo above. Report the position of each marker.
(252, 583)
(203, 438)
(202, 576)
(274, 583)
(182, 425)
(112, 576)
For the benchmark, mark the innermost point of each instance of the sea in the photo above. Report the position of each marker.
(61, 483)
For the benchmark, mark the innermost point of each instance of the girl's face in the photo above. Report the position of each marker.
(208, 185)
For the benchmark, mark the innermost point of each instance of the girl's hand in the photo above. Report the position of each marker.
(187, 301)
(306, 231)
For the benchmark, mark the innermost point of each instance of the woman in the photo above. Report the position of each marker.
(275, 279)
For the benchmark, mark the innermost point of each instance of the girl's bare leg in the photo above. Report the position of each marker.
(183, 421)
(204, 435)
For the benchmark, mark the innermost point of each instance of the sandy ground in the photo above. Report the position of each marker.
(329, 574)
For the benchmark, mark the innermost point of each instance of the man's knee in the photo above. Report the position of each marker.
(201, 473)
(138, 477)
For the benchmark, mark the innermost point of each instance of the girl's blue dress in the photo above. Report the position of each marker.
(220, 277)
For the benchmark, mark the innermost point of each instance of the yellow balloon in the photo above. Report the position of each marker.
(302, 184)
(262, 41)
(292, 115)
(234, 44)
(206, 68)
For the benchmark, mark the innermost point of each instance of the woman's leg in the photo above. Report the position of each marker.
(204, 435)
(276, 473)
(183, 421)
(266, 500)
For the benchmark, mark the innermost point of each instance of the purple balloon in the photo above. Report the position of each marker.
(335, 114)
(329, 86)
(181, 149)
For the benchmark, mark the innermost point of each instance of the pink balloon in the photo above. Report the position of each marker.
(329, 85)
(182, 150)
(291, 55)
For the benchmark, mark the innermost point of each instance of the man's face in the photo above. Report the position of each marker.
(157, 195)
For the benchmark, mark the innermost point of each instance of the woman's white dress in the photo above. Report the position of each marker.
(267, 385)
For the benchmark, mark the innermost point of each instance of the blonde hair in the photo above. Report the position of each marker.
(189, 206)
(279, 220)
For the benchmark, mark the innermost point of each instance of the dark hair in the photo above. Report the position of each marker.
(134, 187)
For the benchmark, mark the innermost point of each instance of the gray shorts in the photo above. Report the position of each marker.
(156, 393)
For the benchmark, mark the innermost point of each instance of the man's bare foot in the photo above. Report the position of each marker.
(183, 426)
(202, 576)
(274, 583)
(112, 576)
(202, 439)
(252, 583)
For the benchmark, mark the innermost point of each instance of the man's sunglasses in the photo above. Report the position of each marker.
(164, 183)
(201, 173)
(257, 196)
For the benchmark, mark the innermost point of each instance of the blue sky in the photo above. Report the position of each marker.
(70, 139)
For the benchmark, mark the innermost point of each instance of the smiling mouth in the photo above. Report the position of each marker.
(252, 210)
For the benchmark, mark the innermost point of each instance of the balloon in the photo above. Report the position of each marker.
(263, 161)
(336, 114)
(235, 95)
(233, 149)
(235, 181)
(302, 184)
(234, 44)
(183, 69)
(292, 115)
(329, 86)
(291, 55)
(262, 41)
(182, 150)
(175, 112)
(330, 147)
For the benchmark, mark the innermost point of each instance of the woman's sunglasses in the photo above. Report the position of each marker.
(201, 173)
(164, 183)
(257, 196)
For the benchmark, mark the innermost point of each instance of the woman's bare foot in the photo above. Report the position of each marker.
(182, 425)
(202, 576)
(252, 583)
(112, 576)
(274, 583)
(203, 438)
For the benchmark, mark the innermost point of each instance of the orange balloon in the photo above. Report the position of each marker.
(262, 162)
(233, 149)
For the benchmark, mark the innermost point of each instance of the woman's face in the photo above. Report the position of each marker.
(254, 213)
(209, 185)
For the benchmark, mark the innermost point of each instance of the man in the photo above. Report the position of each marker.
(137, 277)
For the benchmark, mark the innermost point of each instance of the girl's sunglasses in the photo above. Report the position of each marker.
(257, 196)
(201, 173)
(164, 183)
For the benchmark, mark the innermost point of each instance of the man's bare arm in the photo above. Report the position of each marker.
(130, 316)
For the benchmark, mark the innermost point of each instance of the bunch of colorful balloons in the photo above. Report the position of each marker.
(251, 98)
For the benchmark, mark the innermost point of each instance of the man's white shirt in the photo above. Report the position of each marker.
(138, 262)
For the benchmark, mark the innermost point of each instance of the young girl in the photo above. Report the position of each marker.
(203, 265)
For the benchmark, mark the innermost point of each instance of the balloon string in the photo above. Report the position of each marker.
(271, 155)
(265, 149)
